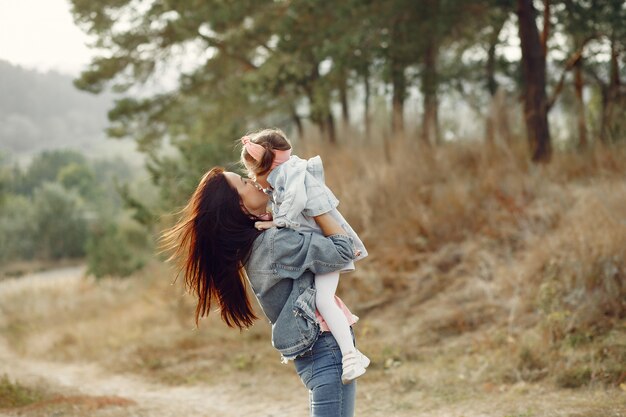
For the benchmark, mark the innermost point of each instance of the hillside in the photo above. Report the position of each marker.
(493, 288)
(41, 111)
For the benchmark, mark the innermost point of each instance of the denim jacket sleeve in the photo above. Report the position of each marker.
(294, 252)
(290, 193)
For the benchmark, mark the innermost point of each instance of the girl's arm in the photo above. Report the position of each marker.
(329, 225)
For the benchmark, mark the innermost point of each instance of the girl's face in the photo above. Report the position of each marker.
(251, 194)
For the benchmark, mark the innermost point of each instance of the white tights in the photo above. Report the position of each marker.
(326, 285)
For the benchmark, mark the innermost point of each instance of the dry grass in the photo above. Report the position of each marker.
(14, 394)
(465, 237)
(487, 276)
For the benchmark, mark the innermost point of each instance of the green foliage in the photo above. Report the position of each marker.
(578, 300)
(4, 179)
(14, 394)
(114, 250)
(17, 229)
(531, 366)
(48, 209)
(77, 177)
(60, 222)
(45, 167)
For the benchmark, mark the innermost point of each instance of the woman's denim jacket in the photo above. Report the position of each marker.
(281, 272)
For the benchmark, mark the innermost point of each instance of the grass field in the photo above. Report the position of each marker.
(493, 288)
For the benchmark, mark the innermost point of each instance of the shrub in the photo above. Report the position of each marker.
(13, 394)
(116, 251)
(78, 177)
(574, 378)
(60, 224)
(17, 229)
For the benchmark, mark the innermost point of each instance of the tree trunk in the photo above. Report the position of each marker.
(398, 81)
(343, 97)
(297, 120)
(331, 131)
(314, 113)
(534, 71)
(492, 86)
(430, 123)
(580, 104)
(319, 103)
(545, 34)
(366, 106)
(502, 115)
(604, 92)
(612, 94)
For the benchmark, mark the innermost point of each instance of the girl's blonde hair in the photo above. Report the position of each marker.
(271, 139)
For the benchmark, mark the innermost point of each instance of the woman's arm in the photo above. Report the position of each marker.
(294, 252)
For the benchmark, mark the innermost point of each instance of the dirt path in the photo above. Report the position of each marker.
(136, 397)
(89, 379)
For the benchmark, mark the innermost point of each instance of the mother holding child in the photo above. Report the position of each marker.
(291, 257)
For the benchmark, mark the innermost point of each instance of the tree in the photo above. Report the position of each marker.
(17, 229)
(60, 225)
(78, 177)
(611, 26)
(534, 71)
(45, 167)
(496, 16)
(579, 22)
(115, 251)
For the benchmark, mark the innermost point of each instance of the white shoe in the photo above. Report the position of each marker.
(353, 366)
(365, 361)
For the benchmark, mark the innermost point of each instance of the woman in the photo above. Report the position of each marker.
(218, 246)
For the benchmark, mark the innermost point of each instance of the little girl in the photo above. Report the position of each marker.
(299, 193)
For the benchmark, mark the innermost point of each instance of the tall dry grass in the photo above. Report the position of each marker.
(466, 237)
(484, 269)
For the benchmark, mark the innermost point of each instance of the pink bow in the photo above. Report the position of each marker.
(256, 151)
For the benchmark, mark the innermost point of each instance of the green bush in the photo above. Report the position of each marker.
(60, 224)
(17, 228)
(12, 394)
(45, 167)
(116, 251)
(78, 177)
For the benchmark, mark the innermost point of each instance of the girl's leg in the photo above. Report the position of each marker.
(326, 285)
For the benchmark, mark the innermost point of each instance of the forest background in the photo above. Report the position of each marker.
(477, 147)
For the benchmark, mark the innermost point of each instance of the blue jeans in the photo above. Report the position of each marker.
(320, 371)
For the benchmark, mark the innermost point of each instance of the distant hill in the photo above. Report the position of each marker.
(45, 111)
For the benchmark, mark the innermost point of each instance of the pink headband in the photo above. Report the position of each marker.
(256, 151)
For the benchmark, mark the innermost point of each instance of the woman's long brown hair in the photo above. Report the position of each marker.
(211, 242)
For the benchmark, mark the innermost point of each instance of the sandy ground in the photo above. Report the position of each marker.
(85, 389)
(88, 379)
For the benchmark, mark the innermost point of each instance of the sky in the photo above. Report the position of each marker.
(40, 34)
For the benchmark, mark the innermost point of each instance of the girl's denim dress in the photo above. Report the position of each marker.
(300, 193)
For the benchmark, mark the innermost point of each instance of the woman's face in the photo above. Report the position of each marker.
(252, 197)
